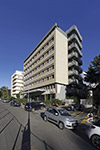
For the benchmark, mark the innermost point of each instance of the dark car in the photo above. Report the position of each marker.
(35, 105)
(79, 107)
(70, 107)
(14, 103)
(28, 106)
(6, 100)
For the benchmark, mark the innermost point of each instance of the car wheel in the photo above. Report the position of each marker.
(95, 139)
(61, 125)
(45, 118)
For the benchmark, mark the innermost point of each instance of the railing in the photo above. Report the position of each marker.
(76, 46)
(74, 36)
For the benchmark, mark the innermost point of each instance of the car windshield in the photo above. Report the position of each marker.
(64, 112)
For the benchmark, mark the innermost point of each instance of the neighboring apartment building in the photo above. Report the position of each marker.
(17, 83)
(53, 64)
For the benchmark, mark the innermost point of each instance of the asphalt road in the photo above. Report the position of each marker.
(22, 130)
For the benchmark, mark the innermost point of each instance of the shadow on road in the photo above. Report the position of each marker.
(26, 139)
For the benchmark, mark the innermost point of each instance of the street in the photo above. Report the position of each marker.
(22, 130)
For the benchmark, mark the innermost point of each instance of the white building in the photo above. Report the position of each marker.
(53, 64)
(17, 83)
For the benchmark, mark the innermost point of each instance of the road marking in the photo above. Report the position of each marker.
(84, 120)
(79, 115)
(75, 113)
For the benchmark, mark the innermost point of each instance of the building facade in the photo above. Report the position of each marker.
(49, 67)
(17, 83)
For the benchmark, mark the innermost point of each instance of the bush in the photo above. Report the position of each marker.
(53, 102)
(24, 100)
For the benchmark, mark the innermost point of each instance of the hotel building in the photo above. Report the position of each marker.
(17, 83)
(53, 64)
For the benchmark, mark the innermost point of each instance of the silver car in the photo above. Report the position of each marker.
(60, 117)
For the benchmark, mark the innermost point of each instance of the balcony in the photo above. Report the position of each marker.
(73, 63)
(72, 72)
(73, 54)
(73, 81)
(75, 38)
(75, 46)
(74, 29)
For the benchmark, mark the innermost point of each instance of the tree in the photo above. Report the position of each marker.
(93, 77)
(0, 93)
(4, 92)
(78, 91)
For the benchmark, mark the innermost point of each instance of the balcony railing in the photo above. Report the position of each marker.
(74, 36)
(73, 54)
(74, 28)
(73, 63)
(74, 45)
(73, 81)
(73, 72)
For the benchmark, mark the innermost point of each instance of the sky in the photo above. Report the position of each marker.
(23, 23)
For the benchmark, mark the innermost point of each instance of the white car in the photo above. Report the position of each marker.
(94, 133)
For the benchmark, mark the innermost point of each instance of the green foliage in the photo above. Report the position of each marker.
(11, 98)
(93, 76)
(24, 100)
(53, 101)
(96, 96)
(93, 73)
(4, 92)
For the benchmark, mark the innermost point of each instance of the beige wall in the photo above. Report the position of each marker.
(61, 58)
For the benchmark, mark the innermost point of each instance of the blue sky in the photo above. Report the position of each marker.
(23, 23)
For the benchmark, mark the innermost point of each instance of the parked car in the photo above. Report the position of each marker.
(35, 105)
(70, 107)
(6, 100)
(94, 133)
(79, 107)
(15, 103)
(60, 117)
(28, 106)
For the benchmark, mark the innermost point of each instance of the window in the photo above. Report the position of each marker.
(49, 110)
(52, 76)
(47, 44)
(53, 48)
(53, 39)
(53, 67)
(47, 52)
(52, 57)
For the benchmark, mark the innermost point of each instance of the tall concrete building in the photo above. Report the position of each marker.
(53, 64)
(17, 83)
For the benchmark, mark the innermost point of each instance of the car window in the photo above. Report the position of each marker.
(55, 112)
(50, 110)
(64, 112)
